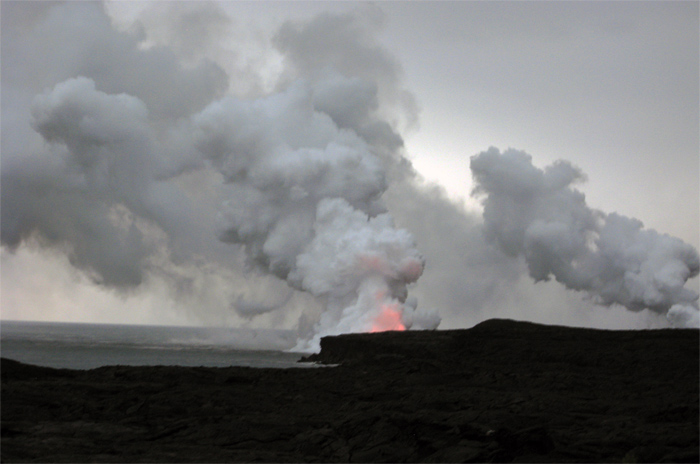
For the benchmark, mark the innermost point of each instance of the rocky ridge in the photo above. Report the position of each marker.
(503, 391)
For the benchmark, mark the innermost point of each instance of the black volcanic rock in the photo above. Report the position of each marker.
(502, 391)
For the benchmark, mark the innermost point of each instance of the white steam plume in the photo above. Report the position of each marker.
(536, 213)
(304, 198)
(299, 175)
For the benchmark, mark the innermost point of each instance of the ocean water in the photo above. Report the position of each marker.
(87, 346)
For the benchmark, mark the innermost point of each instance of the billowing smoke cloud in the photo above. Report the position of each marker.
(299, 176)
(537, 214)
(304, 198)
(100, 159)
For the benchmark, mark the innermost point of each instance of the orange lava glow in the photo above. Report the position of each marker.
(388, 319)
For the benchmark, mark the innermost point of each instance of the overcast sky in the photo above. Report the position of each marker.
(612, 87)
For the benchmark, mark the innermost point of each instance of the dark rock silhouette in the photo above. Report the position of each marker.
(502, 391)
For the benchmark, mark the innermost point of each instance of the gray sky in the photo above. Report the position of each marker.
(611, 87)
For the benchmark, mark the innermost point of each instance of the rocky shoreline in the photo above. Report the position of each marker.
(502, 391)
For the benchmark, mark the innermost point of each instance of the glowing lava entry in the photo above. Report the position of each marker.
(388, 319)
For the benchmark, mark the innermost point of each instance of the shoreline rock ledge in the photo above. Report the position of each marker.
(502, 391)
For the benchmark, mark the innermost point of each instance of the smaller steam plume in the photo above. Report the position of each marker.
(537, 214)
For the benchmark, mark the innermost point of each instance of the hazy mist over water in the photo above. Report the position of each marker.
(87, 346)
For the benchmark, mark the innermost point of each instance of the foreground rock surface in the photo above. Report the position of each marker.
(502, 391)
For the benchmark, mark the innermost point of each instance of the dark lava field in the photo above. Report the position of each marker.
(502, 391)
